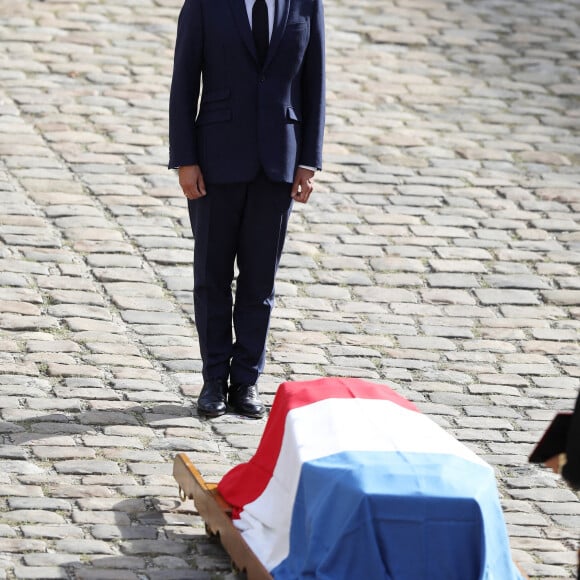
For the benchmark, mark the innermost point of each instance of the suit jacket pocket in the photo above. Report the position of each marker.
(296, 25)
(294, 42)
(214, 116)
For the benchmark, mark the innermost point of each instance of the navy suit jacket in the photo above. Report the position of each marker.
(249, 117)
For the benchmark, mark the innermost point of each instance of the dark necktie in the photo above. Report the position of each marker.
(260, 29)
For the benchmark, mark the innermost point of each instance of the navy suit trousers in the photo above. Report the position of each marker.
(243, 223)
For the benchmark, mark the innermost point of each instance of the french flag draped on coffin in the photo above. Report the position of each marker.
(350, 480)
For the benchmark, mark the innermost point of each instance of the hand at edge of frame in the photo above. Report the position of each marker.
(191, 181)
(302, 186)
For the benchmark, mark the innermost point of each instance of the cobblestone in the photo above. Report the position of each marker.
(440, 253)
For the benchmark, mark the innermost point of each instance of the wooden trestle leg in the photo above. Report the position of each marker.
(216, 513)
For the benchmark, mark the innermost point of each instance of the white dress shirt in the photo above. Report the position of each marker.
(271, 7)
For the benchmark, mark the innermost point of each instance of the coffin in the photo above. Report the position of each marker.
(350, 480)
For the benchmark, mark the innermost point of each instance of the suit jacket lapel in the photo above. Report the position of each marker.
(241, 18)
(280, 19)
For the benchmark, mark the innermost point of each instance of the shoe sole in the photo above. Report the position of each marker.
(202, 413)
(249, 415)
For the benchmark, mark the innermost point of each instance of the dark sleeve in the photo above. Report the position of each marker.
(313, 86)
(571, 471)
(185, 85)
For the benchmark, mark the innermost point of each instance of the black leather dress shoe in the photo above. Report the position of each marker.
(244, 400)
(212, 399)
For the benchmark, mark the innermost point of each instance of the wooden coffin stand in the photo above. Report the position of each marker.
(216, 513)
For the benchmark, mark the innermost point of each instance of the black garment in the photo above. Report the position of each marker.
(571, 471)
(243, 223)
(260, 29)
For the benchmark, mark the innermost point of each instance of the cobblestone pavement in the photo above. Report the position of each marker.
(440, 254)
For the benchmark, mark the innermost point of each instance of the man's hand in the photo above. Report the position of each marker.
(302, 186)
(556, 462)
(191, 181)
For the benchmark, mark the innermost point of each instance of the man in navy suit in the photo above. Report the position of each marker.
(244, 151)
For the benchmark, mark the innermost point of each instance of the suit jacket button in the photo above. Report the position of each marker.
(262, 79)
